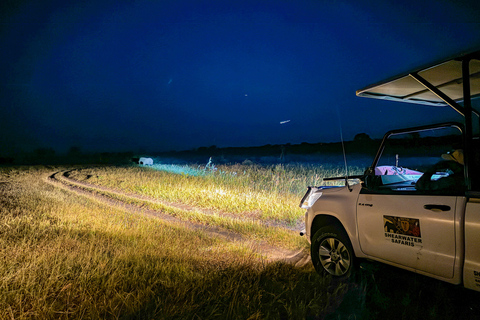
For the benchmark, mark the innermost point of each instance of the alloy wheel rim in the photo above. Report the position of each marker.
(334, 256)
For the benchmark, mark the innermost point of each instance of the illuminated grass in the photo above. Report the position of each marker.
(264, 193)
(250, 228)
(64, 256)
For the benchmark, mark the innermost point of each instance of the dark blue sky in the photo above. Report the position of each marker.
(162, 75)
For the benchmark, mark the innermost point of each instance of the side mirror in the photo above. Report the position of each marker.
(372, 181)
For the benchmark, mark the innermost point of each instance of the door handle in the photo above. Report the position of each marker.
(436, 207)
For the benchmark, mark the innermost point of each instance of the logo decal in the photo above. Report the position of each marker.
(404, 231)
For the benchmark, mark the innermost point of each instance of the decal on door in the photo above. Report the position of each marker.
(403, 231)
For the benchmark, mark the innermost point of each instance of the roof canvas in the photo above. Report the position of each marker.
(445, 76)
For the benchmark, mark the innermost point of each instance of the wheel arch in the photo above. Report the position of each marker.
(322, 220)
(325, 220)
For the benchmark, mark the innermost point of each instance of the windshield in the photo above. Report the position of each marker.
(419, 150)
(407, 156)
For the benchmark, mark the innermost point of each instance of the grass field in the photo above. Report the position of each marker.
(67, 256)
(264, 193)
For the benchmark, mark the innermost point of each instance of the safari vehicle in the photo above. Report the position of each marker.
(384, 215)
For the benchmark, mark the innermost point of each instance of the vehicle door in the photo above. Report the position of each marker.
(400, 224)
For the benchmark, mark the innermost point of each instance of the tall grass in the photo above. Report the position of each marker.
(265, 193)
(64, 256)
(252, 229)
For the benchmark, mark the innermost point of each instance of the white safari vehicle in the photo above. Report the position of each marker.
(417, 206)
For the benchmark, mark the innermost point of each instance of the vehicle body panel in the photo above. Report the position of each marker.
(399, 229)
(471, 273)
(338, 203)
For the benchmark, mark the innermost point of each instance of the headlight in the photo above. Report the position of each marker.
(310, 197)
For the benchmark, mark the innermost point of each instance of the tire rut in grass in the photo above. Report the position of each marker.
(181, 206)
(271, 253)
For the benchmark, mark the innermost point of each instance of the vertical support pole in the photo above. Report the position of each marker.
(467, 106)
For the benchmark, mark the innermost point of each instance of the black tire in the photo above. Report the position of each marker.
(332, 252)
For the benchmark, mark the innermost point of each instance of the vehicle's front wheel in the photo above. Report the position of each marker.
(332, 252)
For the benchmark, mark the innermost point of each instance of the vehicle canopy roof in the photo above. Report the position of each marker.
(439, 84)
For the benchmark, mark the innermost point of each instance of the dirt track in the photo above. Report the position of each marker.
(62, 180)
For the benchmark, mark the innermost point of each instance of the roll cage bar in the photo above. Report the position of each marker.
(387, 135)
(453, 82)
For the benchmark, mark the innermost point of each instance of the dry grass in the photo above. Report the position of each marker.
(65, 256)
(265, 193)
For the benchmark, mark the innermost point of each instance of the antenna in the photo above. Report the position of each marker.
(343, 150)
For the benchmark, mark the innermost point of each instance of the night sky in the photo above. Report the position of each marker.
(175, 75)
